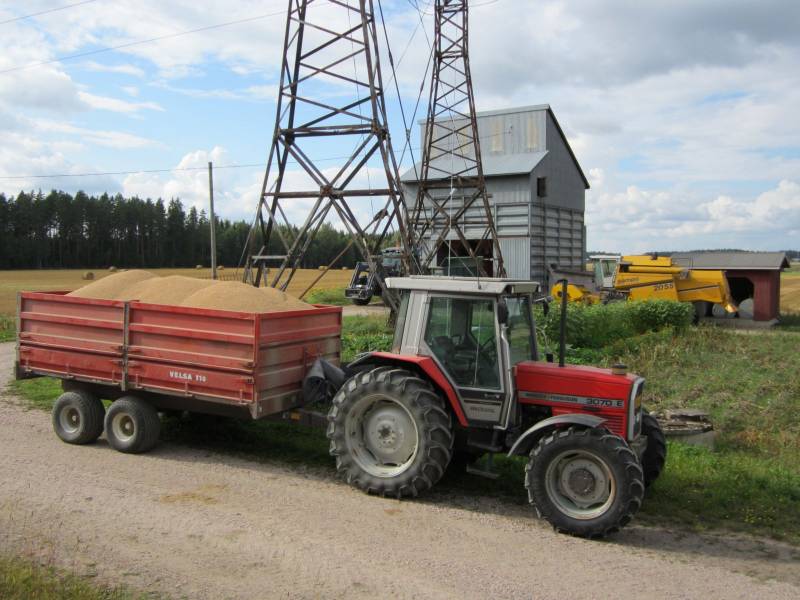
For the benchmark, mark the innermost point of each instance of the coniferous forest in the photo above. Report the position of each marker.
(58, 230)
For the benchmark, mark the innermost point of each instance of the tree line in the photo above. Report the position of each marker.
(58, 230)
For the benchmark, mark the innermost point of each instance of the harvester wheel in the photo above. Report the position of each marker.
(78, 417)
(585, 482)
(390, 433)
(132, 425)
(655, 455)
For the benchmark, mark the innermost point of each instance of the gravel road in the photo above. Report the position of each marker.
(194, 524)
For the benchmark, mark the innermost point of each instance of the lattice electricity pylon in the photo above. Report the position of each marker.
(452, 204)
(334, 43)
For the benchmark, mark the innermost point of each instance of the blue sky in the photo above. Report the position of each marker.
(683, 114)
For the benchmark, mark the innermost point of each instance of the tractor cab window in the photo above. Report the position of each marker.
(462, 335)
(519, 329)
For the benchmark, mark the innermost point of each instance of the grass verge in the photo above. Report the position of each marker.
(8, 328)
(25, 580)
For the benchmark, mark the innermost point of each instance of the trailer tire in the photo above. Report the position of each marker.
(580, 457)
(655, 456)
(78, 417)
(390, 433)
(132, 425)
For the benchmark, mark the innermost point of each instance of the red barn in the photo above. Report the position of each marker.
(754, 277)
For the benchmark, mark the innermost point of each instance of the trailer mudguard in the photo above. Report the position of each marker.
(525, 442)
(423, 364)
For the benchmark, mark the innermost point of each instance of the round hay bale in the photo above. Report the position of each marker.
(221, 268)
(198, 266)
(88, 276)
(112, 269)
(320, 268)
(344, 268)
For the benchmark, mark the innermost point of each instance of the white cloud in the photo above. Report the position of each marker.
(116, 105)
(124, 69)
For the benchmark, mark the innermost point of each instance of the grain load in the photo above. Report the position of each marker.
(173, 289)
(111, 287)
(232, 295)
(177, 290)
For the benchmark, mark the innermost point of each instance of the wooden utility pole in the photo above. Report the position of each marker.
(212, 222)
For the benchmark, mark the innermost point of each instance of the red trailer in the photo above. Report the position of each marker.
(155, 357)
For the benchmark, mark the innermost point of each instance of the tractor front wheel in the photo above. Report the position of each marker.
(390, 433)
(655, 455)
(585, 482)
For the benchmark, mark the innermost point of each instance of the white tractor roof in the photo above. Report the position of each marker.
(463, 285)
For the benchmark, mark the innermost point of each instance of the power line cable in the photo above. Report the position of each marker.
(140, 42)
(46, 12)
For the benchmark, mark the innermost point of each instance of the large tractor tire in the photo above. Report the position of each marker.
(78, 417)
(390, 433)
(655, 456)
(585, 482)
(132, 425)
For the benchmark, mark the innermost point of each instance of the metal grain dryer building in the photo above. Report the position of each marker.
(536, 189)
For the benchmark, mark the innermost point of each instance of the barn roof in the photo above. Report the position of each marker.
(731, 261)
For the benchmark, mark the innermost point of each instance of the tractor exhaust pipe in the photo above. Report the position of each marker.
(562, 332)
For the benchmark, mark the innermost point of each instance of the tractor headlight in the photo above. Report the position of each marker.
(635, 409)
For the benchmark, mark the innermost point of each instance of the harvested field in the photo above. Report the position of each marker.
(178, 290)
(12, 282)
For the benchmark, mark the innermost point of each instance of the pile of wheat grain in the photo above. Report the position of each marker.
(176, 290)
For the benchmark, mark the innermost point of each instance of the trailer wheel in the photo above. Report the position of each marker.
(655, 455)
(78, 417)
(132, 425)
(585, 482)
(390, 433)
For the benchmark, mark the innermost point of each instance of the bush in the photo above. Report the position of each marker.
(598, 325)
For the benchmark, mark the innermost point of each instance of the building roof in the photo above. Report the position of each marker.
(493, 166)
(512, 111)
(731, 261)
(463, 285)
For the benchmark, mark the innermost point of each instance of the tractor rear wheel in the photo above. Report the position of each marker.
(390, 433)
(655, 455)
(585, 482)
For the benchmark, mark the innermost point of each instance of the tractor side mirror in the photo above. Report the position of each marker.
(502, 312)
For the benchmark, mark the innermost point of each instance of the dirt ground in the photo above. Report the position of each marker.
(195, 524)
(12, 282)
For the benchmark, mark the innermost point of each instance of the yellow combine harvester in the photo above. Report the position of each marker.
(643, 277)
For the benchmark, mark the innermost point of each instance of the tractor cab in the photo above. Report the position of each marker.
(475, 331)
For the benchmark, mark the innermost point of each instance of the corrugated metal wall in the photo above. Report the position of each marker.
(533, 231)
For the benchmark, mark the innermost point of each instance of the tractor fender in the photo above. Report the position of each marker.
(424, 365)
(526, 441)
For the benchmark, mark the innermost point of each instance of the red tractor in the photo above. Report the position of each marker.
(463, 379)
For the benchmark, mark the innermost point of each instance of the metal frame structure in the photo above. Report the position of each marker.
(451, 159)
(315, 50)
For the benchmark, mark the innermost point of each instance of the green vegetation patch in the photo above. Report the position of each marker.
(332, 296)
(365, 334)
(8, 328)
(25, 580)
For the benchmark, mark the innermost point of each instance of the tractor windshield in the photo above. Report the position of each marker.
(520, 329)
